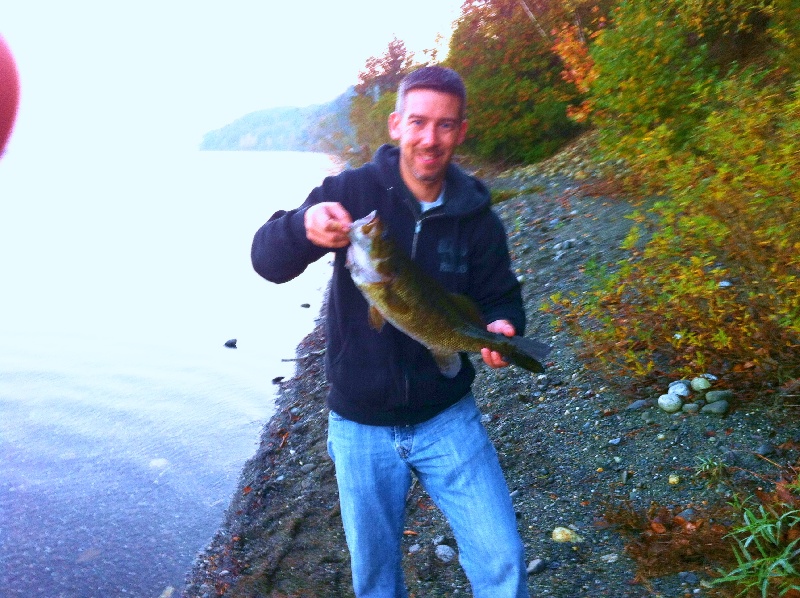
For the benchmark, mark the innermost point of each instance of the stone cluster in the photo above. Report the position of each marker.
(695, 396)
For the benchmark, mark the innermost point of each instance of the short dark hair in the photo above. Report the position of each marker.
(437, 78)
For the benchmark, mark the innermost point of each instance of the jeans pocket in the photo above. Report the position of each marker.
(336, 417)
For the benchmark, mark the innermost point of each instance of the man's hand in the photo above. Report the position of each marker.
(492, 358)
(327, 225)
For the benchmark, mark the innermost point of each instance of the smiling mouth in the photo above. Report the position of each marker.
(429, 158)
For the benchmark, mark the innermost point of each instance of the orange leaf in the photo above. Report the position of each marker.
(247, 490)
(658, 527)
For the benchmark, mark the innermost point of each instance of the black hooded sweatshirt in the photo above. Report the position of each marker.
(386, 377)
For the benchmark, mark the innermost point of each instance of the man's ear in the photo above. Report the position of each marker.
(395, 119)
(462, 134)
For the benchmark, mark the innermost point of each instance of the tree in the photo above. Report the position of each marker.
(383, 74)
(518, 106)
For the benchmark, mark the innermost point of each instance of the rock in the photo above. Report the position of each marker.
(670, 402)
(700, 384)
(536, 566)
(231, 344)
(765, 449)
(688, 514)
(674, 479)
(716, 408)
(305, 305)
(445, 553)
(564, 534)
(713, 396)
(680, 388)
(691, 408)
(640, 404)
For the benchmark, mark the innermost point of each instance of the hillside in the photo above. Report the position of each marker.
(316, 128)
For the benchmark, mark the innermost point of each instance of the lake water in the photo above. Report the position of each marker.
(124, 420)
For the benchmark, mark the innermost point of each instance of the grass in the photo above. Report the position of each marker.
(767, 550)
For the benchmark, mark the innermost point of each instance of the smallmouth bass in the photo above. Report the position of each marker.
(398, 291)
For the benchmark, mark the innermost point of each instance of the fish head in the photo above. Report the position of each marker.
(368, 250)
(364, 231)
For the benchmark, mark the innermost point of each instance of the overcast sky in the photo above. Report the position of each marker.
(176, 69)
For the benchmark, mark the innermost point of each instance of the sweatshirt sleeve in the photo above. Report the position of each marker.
(281, 251)
(495, 287)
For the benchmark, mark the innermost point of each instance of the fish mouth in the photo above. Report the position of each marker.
(363, 227)
(368, 226)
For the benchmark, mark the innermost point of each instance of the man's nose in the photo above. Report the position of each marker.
(430, 134)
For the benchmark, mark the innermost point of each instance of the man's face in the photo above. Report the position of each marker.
(428, 131)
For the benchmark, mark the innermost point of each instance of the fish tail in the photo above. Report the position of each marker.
(527, 353)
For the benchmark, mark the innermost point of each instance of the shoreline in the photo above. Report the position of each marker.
(570, 445)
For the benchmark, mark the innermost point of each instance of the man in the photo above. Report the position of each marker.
(392, 411)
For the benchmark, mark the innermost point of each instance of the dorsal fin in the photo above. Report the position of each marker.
(468, 309)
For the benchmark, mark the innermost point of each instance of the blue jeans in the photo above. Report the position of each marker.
(455, 461)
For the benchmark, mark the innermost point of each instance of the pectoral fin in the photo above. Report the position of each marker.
(376, 319)
(449, 363)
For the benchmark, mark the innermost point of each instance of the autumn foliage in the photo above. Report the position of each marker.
(697, 99)
(700, 101)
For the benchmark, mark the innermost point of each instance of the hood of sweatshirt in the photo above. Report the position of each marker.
(464, 194)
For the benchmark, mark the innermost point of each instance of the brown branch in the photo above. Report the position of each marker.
(534, 19)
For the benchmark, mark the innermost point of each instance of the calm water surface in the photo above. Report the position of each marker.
(124, 421)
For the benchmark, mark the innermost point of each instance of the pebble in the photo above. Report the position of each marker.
(445, 553)
(713, 396)
(680, 388)
(700, 384)
(765, 449)
(537, 566)
(670, 402)
(688, 577)
(716, 408)
(688, 514)
(564, 534)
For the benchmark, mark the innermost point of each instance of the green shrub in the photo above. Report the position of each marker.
(714, 284)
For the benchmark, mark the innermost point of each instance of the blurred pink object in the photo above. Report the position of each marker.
(9, 93)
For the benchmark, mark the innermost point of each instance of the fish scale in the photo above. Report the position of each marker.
(398, 291)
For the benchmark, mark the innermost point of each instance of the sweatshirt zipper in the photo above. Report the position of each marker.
(418, 228)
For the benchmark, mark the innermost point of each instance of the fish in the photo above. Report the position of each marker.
(398, 291)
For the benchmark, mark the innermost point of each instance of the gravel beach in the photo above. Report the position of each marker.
(571, 444)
